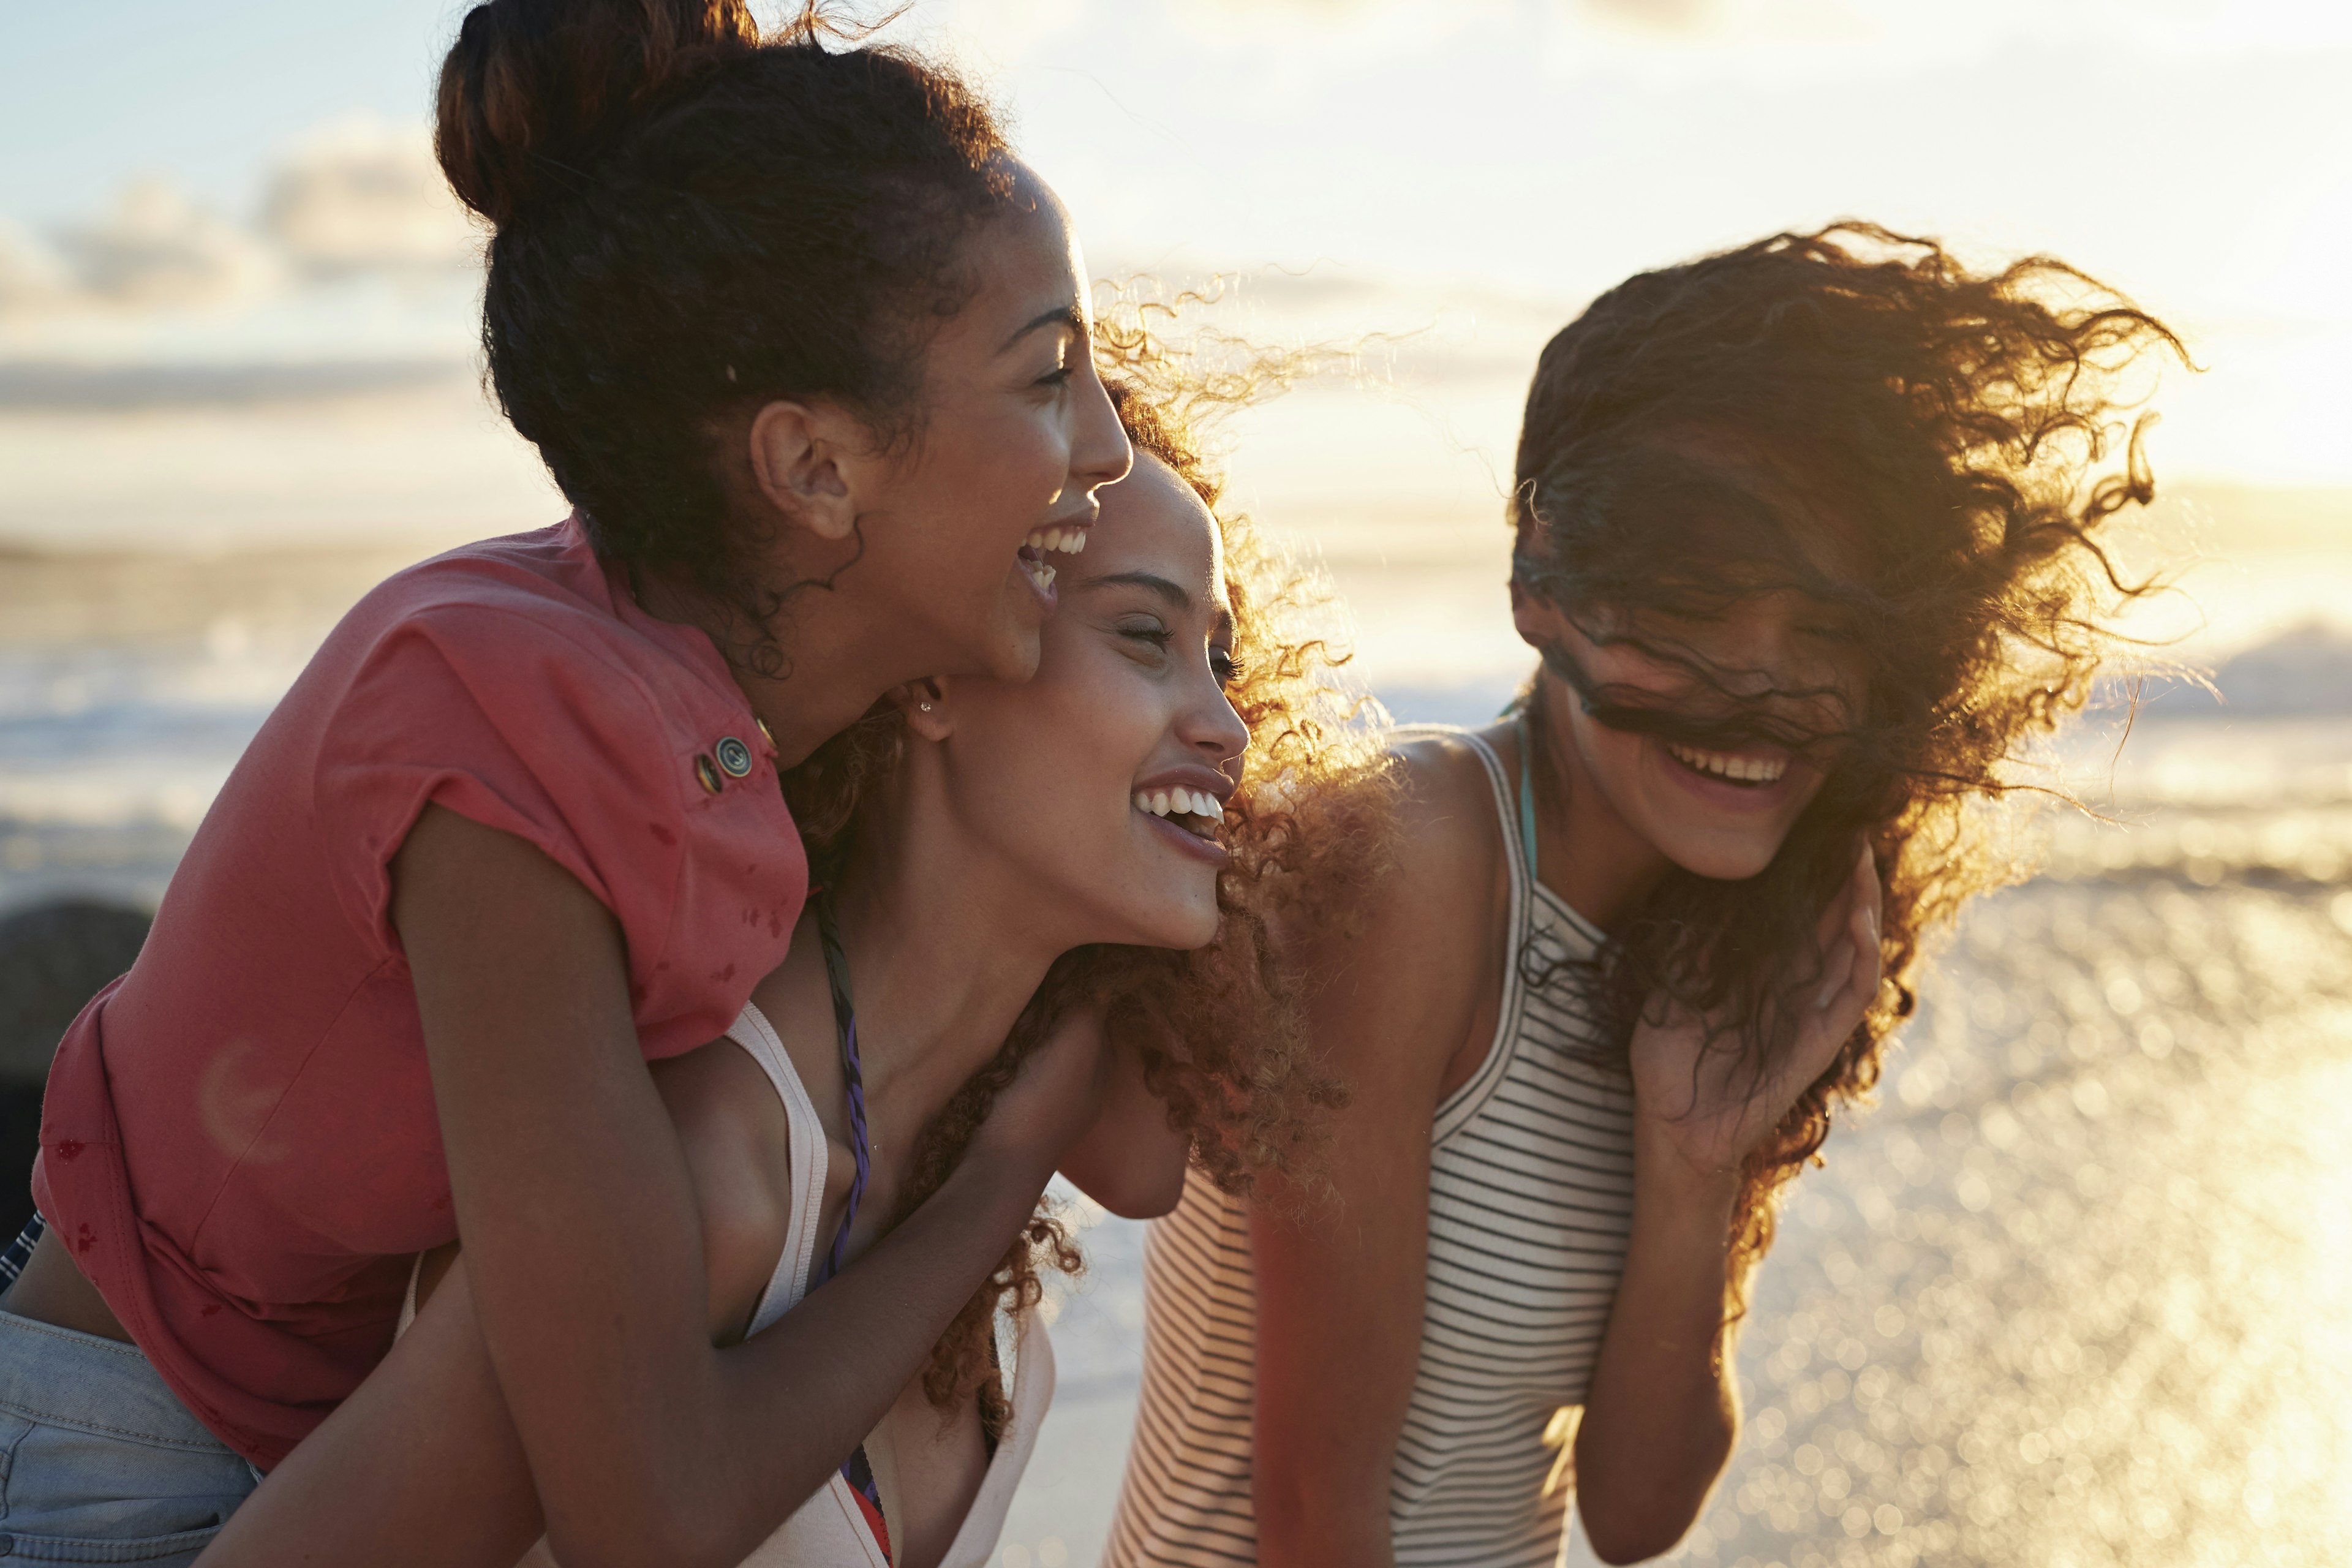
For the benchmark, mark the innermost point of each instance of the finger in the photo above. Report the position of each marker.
(1868, 891)
(1832, 931)
(1866, 968)
(1837, 971)
(1868, 905)
(1834, 915)
(1870, 958)
(1850, 977)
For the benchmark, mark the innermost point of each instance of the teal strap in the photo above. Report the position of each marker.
(1527, 794)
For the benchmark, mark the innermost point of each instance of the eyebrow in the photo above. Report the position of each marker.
(1149, 581)
(1067, 315)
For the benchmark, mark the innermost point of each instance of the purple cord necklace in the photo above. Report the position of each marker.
(844, 1023)
(858, 1471)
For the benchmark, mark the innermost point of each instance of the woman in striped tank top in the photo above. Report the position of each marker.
(1808, 537)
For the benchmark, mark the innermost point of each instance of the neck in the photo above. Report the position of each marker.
(1607, 866)
(840, 661)
(946, 949)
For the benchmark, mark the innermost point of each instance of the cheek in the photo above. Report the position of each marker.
(1613, 757)
(1018, 457)
(982, 479)
(1086, 726)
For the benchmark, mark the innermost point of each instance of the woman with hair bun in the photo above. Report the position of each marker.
(808, 352)
(1809, 540)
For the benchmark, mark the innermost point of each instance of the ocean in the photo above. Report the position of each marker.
(2073, 1290)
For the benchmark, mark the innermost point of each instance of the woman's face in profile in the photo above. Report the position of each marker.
(952, 535)
(1102, 778)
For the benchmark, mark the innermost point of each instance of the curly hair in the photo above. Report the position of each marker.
(1957, 433)
(1220, 1031)
(692, 220)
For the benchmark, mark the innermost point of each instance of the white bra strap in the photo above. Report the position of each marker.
(785, 1286)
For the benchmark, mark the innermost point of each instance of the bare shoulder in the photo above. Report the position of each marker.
(1448, 859)
(1395, 984)
(1449, 798)
(737, 1141)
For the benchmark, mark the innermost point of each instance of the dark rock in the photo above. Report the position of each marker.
(53, 960)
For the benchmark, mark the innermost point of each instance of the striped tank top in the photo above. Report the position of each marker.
(1530, 1208)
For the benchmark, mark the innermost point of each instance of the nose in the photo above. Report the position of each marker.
(1209, 726)
(1100, 453)
(1755, 649)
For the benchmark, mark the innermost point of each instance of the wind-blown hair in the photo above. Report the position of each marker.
(1953, 444)
(1220, 1031)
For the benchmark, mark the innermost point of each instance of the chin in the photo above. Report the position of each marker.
(1017, 650)
(1719, 862)
(1193, 925)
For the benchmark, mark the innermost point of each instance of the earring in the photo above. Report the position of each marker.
(925, 706)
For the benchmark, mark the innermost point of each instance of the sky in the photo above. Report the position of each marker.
(237, 305)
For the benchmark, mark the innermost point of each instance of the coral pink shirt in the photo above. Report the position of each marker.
(239, 1143)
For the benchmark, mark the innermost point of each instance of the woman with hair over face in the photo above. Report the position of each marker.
(807, 350)
(992, 858)
(1808, 536)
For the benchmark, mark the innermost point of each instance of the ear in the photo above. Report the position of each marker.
(925, 704)
(800, 455)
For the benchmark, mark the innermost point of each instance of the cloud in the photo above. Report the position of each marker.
(32, 275)
(363, 197)
(155, 250)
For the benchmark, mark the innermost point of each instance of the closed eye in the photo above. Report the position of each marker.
(1157, 636)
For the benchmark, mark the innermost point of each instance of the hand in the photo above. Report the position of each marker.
(1055, 1097)
(1705, 1101)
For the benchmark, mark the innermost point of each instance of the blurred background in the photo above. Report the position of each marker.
(2076, 1290)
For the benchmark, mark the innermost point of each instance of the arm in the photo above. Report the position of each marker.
(1131, 1161)
(572, 1355)
(1341, 1277)
(1662, 1412)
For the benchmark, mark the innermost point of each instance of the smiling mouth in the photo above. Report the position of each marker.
(1195, 811)
(1730, 767)
(1067, 539)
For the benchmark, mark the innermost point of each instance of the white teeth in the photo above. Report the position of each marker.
(1179, 802)
(1047, 540)
(1724, 764)
(1039, 572)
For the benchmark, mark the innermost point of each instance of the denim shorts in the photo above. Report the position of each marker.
(99, 1462)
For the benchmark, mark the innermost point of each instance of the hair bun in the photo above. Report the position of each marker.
(534, 83)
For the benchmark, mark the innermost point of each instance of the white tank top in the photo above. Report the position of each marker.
(1530, 1209)
(829, 1531)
